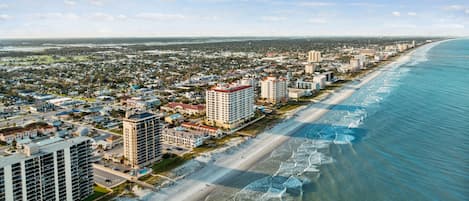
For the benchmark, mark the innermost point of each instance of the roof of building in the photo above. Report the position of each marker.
(45, 146)
(229, 88)
(141, 115)
(186, 106)
(198, 126)
(29, 127)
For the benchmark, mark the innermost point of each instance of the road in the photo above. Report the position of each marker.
(100, 177)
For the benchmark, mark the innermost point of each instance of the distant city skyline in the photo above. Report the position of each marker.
(179, 18)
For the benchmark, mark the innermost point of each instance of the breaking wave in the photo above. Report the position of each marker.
(339, 126)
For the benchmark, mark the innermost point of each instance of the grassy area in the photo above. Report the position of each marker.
(117, 131)
(124, 189)
(260, 125)
(169, 162)
(289, 107)
(153, 180)
(98, 192)
(212, 144)
(44, 60)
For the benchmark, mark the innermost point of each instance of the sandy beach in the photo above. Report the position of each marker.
(200, 183)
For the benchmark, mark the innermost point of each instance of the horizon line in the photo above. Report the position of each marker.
(232, 36)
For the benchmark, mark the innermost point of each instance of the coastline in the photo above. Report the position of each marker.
(200, 183)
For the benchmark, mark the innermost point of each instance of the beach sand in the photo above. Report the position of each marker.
(223, 168)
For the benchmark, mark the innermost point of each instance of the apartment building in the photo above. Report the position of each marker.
(274, 90)
(52, 169)
(314, 56)
(142, 144)
(229, 105)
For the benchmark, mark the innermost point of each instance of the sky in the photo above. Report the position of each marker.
(175, 18)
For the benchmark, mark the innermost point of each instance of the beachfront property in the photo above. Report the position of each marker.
(11, 134)
(182, 137)
(212, 131)
(229, 105)
(314, 56)
(142, 145)
(274, 90)
(52, 169)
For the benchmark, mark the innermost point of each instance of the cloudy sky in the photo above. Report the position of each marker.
(155, 18)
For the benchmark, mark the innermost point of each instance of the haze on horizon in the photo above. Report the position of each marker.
(169, 18)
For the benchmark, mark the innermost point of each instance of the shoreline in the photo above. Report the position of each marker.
(199, 184)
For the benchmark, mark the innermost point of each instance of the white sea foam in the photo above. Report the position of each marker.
(307, 158)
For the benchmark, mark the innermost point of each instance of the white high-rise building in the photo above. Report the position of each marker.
(228, 106)
(314, 56)
(274, 89)
(52, 169)
(142, 145)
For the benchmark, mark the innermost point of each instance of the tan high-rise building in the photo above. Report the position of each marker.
(314, 56)
(274, 89)
(228, 106)
(142, 144)
(310, 68)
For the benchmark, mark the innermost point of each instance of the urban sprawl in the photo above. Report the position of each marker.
(99, 121)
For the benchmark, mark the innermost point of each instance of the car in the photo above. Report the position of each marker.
(108, 181)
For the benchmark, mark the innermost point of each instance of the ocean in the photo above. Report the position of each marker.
(402, 136)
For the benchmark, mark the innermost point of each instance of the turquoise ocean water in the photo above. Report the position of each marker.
(402, 136)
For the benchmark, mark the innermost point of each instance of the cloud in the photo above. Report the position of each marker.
(70, 2)
(412, 14)
(4, 17)
(273, 18)
(453, 7)
(466, 11)
(3, 6)
(449, 26)
(97, 2)
(316, 4)
(317, 20)
(56, 16)
(121, 17)
(103, 16)
(160, 16)
(365, 4)
(396, 13)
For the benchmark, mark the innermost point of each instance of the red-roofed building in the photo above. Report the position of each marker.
(184, 108)
(29, 131)
(229, 105)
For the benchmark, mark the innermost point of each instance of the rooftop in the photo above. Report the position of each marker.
(229, 88)
(45, 146)
(140, 115)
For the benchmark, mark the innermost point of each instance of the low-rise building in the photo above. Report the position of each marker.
(182, 137)
(11, 134)
(182, 108)
(43, 107)
(174, 118)
(214, 132)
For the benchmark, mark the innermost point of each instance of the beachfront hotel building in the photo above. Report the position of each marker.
(274, 90)
(228, 106)
(142, 146)
(52, 169)
(314, 56)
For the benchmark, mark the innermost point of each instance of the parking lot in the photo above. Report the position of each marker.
(106, 179)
